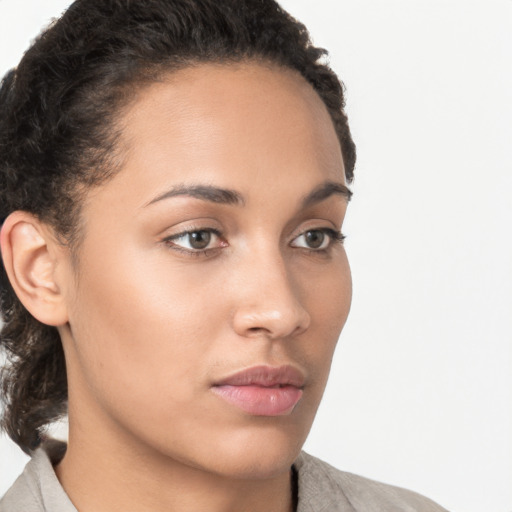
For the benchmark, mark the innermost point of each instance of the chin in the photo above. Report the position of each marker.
(258, 453)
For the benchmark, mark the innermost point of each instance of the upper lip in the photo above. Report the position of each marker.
(265, 376)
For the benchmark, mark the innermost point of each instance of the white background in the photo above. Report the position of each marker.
(421, 389)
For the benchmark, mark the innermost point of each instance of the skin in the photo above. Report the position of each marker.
(149, 324)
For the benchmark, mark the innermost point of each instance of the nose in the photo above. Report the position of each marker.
(268, 301)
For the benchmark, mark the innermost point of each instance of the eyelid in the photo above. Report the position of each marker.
(334, 235)
(169, 240)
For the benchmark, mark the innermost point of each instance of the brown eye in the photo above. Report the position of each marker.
(199, 239)
(315, 239)
(196, 240)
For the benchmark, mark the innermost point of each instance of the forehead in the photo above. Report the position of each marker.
(237, 126)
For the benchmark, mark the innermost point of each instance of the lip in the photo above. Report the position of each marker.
(262, 390)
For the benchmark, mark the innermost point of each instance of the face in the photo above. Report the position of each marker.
(211, 285)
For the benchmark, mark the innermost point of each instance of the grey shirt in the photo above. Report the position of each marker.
(321, 488)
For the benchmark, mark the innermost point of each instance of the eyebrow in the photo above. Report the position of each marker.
(326, 190)
(232, 197)
(205, 192)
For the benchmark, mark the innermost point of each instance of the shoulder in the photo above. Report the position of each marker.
(20, 496)
(323, 487)
(37, 489)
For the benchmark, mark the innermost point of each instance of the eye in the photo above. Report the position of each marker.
(196, 240)
(317, 239)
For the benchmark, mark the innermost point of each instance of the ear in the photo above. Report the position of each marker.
(31, 257)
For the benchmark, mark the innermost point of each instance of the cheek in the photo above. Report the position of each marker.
(140, 330)
(327, 296)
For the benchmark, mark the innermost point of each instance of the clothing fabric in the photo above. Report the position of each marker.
(321, 488)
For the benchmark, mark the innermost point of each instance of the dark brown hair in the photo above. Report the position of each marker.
(58, 113)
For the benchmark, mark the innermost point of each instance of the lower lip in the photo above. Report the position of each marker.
(261, 401)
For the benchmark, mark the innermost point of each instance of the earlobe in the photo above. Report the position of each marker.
(31, 256)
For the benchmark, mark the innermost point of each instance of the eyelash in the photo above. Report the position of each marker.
(335, 238)
(192, 252)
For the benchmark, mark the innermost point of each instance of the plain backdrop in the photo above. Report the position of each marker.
(420, 393)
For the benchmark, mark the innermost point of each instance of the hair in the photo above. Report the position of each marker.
(58, 112)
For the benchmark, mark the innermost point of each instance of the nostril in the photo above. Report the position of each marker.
(256, 330)
(270, 321)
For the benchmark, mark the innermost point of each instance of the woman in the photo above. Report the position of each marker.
(173, 185)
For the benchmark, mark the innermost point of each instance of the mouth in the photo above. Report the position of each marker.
(262, 390)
